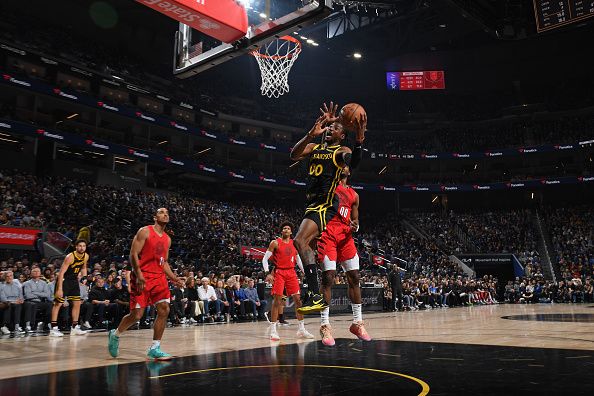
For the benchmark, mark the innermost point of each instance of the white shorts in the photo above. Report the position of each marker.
(348, 265)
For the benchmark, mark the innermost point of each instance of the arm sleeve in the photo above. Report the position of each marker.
(356, 156)
(300, 264)
(267, 255)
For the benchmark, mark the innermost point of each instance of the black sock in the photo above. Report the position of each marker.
(54, 324)
(281, 317)
(311, 276)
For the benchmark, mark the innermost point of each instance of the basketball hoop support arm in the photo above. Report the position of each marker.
(184, 67)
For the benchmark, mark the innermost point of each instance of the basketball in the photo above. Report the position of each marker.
(349, 114)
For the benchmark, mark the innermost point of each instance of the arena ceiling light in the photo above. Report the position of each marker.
(71, 116)
(121, 162)
(262, 15)
(162, 142)
(203, 151)
(94, 153)
(123, 159)
(8, 140)
(383, 170)
(357, 55)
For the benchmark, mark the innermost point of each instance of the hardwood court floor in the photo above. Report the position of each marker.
(413, 352)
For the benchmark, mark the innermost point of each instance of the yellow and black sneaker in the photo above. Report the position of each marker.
(313, 303)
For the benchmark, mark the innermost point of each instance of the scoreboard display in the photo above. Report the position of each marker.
(415, 80)
(553, 14)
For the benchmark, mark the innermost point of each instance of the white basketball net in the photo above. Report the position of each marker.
(275, 60)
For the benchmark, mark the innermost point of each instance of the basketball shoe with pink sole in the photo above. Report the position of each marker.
(358, 329)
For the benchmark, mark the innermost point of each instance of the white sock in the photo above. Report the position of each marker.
(117, 333)
(325, 316)
(357, 314)
(155, 344)
(302, 324)
(273, 326)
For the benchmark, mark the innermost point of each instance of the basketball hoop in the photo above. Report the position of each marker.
(275, 60)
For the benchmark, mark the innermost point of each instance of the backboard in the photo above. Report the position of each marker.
(268, 20)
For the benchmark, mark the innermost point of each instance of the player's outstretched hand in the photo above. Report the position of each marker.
(318, 127)
(361, 127)
(329, 112)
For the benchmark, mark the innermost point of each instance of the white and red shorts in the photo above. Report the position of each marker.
(336, 245)
(156, 290)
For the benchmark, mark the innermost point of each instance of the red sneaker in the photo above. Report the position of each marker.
(359, 330)
(326, 333)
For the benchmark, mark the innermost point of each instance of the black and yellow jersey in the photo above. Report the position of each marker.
(76, 266)
(323, 176)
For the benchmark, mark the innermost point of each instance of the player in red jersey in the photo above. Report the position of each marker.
(337, 245)
(148, 255)
(283, 276)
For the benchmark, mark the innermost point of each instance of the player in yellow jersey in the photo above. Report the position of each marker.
(67, 288)
(325, 163)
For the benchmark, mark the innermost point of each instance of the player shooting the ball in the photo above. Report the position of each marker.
(326, 161)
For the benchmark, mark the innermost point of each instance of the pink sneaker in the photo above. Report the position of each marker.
(326, 333)
(359, 330)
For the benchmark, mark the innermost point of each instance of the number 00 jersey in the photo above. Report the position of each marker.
(346, 199)
(323, 178)
(323, 175)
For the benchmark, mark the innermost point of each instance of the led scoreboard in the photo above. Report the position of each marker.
(553, 14)
(415, 80)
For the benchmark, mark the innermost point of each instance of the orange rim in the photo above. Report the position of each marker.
(286, 38)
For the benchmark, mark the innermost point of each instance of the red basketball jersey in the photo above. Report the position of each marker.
(154, 252)
(346, 198)
(284, 255)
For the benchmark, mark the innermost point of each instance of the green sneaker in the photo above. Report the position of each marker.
(114, 344)
(158, 354)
